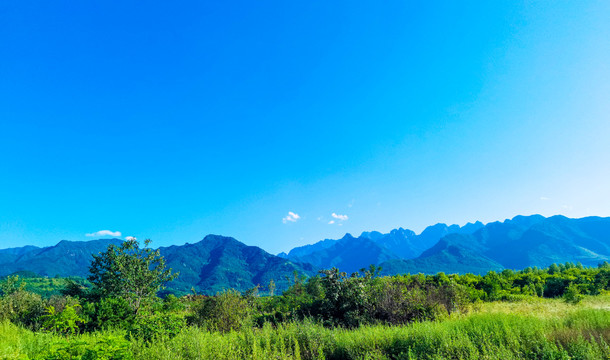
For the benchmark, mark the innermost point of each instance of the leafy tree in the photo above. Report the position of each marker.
(345, 300)
(128, 271)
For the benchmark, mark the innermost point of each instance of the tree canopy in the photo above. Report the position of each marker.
(129, 271)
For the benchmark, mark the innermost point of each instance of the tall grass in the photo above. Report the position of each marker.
(523, 330)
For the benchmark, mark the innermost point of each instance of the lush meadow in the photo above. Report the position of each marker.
(528, 329)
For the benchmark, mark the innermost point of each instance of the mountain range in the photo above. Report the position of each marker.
(218, 262)
(351, 254)
(208, 266)
(524, 241)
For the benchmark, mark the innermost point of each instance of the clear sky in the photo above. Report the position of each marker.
(173, 120)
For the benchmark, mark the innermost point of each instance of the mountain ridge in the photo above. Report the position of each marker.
(218, 262)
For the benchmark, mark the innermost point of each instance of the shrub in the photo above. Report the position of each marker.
(224, 312)
(572, 294)
(345, 301)
(158, 325)
(172, 303)
(65, 321)
(110, 313)
(22, 308)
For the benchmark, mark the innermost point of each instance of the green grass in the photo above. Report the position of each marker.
(529, 329)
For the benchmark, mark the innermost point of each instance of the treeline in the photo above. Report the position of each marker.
(336, 299)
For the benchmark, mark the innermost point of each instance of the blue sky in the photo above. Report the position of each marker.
(173, 121)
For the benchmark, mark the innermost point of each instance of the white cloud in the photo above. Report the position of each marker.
(544, 198)
(339, 217)
(130, 238)
(331, 222)
(292, 217)
(105, 233)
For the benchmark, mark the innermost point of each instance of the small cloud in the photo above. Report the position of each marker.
(351, 203)
(544, 198)
(129, 238)
(319, 218)
(568, 207)
(292, 217)
(105, 233)
(339, 217)
(331, 222)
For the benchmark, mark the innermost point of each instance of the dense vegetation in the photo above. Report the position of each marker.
(334, 316)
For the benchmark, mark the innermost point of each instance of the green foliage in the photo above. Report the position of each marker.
(572, 294)
(23, 308)
(574, 334)
(150, 327)
(224, 312)
(64, 322)
(49, 287)
(345, 300)
(11, 285)
(172, 303)
(128, 271)
(109, 313)
(110, 347)
(74, 289)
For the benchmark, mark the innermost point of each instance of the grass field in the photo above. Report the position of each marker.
(533, 328)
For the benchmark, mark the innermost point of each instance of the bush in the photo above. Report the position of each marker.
(345, 301)
(66, 321)
(109, 313)
(22, 308)
(172, 303)
(156, 326)
(572, 294)
(224, 312)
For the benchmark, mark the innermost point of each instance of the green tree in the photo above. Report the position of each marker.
(128, 271)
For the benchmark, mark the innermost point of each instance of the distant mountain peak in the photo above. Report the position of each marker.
(348, 236)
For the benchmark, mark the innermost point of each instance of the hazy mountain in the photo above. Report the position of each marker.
(538, 241)
(444, 257)
(515, 243)
(308, 249)
(349, 254)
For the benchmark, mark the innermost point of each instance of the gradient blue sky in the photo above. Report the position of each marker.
(171, 121)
